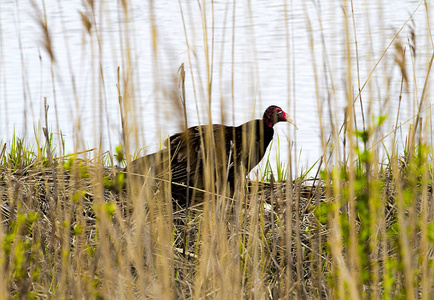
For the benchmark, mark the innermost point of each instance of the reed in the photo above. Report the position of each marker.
(357, 223)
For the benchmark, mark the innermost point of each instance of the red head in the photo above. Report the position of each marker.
(274, 114)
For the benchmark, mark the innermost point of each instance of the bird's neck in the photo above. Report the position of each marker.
(268, 122)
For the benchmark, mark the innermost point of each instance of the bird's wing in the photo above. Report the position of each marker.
(155, 165)
(194, 145)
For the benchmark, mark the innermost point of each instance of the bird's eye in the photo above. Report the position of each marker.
(278, 111)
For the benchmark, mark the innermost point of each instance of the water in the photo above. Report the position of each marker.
(272, 60)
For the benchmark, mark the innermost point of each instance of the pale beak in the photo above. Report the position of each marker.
(291, 121)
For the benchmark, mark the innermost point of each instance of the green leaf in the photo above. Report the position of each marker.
(78, 196)
(108, 184)
(77, 229)
(363, 135)
(120, 156)
(381, 120)
(109, 208)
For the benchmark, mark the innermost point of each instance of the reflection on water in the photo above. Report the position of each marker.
(259, 54)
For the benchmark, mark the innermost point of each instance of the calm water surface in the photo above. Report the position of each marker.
(260, 54)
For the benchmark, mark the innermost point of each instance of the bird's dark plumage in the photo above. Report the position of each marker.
(211, 153)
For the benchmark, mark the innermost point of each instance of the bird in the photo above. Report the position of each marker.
(210, 157)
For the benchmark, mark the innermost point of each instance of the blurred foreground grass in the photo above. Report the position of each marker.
(73, 226)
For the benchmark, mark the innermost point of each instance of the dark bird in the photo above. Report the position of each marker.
(208, 157)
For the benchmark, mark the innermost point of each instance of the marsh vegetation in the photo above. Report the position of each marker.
(357, 223)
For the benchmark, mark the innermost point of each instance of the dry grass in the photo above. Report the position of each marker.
(361, 227)
(87, 240)
(68, 251)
